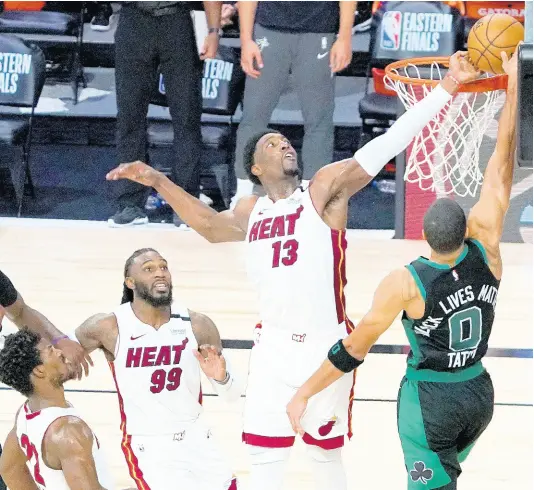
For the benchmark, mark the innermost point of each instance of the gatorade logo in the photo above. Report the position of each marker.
(518, 14)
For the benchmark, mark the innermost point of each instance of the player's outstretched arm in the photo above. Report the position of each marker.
(68, 446)
(486, 219)
(211, 359)
(99, 331)
(350, 175)
(13, 469)
(389, 300)
(23, 316)
(227, 226)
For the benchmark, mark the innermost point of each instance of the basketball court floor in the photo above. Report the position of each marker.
(71, 270)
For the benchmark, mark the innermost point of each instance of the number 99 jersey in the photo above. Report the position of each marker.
(460, 304)
(156, 374)
(297, 263)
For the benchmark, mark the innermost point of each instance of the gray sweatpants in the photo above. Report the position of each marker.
(307, 57)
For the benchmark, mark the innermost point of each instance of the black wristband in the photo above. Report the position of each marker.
(8, 293)
(341, 359)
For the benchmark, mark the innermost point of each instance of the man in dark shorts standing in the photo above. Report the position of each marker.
(448, 302)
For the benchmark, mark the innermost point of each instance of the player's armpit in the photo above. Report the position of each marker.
(389, 300)
(68, 446)
(230, 225)
(346, 176)
(13, 469)
(99, 331)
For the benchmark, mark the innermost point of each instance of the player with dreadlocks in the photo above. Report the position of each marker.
(154, 349)
(50, 445)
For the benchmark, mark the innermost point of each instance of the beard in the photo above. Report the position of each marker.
(293, 172)
(156, 301)
(62, 378)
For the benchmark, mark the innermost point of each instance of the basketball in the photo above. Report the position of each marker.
(490, 36)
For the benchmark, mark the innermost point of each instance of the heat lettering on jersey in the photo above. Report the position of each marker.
(278, 226)
(164, 355)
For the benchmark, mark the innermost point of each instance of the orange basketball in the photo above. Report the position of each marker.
(490, 36)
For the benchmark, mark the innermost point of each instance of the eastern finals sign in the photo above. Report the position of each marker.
(414, 31)
(12, 65)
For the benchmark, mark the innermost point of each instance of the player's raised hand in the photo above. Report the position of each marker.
(137, 172)
(295, 410)
(510, 65)
(76, 355)
(461, 69)
(211, 362)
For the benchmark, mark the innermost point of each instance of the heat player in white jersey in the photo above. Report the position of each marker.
(50, 447)
(155, 351)
(296, 256)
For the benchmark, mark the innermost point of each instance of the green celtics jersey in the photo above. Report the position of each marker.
(459, 311)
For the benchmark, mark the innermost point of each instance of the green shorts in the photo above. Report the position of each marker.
(438, 423)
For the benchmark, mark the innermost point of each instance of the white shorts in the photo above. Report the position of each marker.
(189, 459)
(277, 369)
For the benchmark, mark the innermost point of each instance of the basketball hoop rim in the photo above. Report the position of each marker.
(495, 82)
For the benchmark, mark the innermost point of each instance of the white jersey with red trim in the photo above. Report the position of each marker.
(297, 263)
(156, 374)
(31, 430)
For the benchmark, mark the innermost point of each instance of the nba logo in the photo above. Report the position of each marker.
(391, 30)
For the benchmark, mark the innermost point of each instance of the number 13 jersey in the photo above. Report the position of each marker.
(156, 374)
(297, 263)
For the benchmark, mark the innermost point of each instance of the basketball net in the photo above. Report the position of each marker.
(444, 156)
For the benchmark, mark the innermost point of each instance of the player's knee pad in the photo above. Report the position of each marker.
(320, 455)
(268, 455)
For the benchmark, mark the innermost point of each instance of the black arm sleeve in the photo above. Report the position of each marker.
(8, 293)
